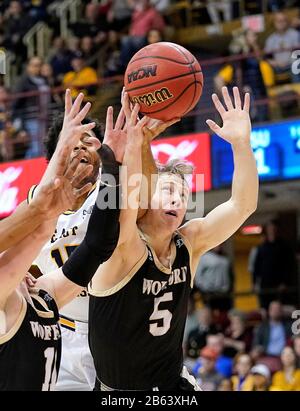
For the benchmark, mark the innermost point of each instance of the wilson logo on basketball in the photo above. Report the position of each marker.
(157, 96)
(143, 72)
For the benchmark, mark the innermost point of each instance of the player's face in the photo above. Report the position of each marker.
(169, 202)
(91, 156)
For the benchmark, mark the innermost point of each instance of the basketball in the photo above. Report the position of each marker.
(165, 79)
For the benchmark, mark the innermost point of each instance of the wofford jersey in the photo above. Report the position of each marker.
(70, 231)
(30, 352)
(139, 343)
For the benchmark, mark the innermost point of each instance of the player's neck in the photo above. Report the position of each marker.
(159, 239)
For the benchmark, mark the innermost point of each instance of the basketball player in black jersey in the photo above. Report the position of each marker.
(30, 343)
(140, 295)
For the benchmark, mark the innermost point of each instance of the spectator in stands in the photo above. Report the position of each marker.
(60, 58)
(254, 73)
(109, 61)
(31, 112)
(82, 79)
(214, 9)
(119, 14)
(275, 5)
(273, 334)
(242, 380)
(225, 385)
(261, 377)
(73, 46)
(223, 364)
(296, 346)
(161, 5)
(47, 73)
(88, 51)
(144, 18)
(208, 377)
(214, 279)
(238, 338)
(16, 24)
(197, 337)
(38, 10)
(90, 25)
(279, 46)
(289, 378)
(274, 265)
(154, 36)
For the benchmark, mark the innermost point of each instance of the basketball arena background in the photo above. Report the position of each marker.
(247, 291)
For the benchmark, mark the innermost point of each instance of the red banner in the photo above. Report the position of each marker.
(194, 148)
(16, 178)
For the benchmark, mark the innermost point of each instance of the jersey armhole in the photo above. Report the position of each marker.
(15, 328)
(123, 282)
(190, 251)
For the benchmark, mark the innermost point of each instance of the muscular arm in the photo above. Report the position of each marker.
(205, 233)
(19, 225)
(131, 175)
(15, 261)
(149, 181)
(99, 242)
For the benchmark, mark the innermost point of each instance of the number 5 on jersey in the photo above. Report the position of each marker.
(164, 316)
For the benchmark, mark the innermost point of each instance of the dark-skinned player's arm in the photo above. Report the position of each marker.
(103, 229)
(52, 199)
(206, 233)
(150, 173)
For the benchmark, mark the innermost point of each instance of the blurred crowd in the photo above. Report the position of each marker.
(231, 350)
(101, 43)
(225, 349)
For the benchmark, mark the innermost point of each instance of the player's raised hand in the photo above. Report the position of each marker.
(236, 127)
(115, 135)
(134, 125)
(61, 193)
(157, 127)
(72, 129)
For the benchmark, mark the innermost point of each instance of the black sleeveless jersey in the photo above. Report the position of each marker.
(136, 328)
(30, 352)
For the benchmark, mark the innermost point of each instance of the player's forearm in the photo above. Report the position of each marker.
(51, 169)
(15, 261)
(245, 179)
(19, 225)
(131, 179)
(150, 175)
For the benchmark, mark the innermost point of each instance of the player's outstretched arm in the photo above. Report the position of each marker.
(51, 200)
(131, 175)
(205, 233)
(102, 233)
(19, 225)
(150, 174)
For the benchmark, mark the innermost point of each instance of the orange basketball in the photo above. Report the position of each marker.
(165, 79)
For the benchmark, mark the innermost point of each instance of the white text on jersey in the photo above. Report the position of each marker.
(45, 332)
(177, 276)
(64, 233)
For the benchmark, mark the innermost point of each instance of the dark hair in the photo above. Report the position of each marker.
(51, 140)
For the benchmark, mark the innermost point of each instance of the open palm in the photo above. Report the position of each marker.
(236, 120)
(60, 194)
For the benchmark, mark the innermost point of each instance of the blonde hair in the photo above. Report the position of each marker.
(177, 167)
